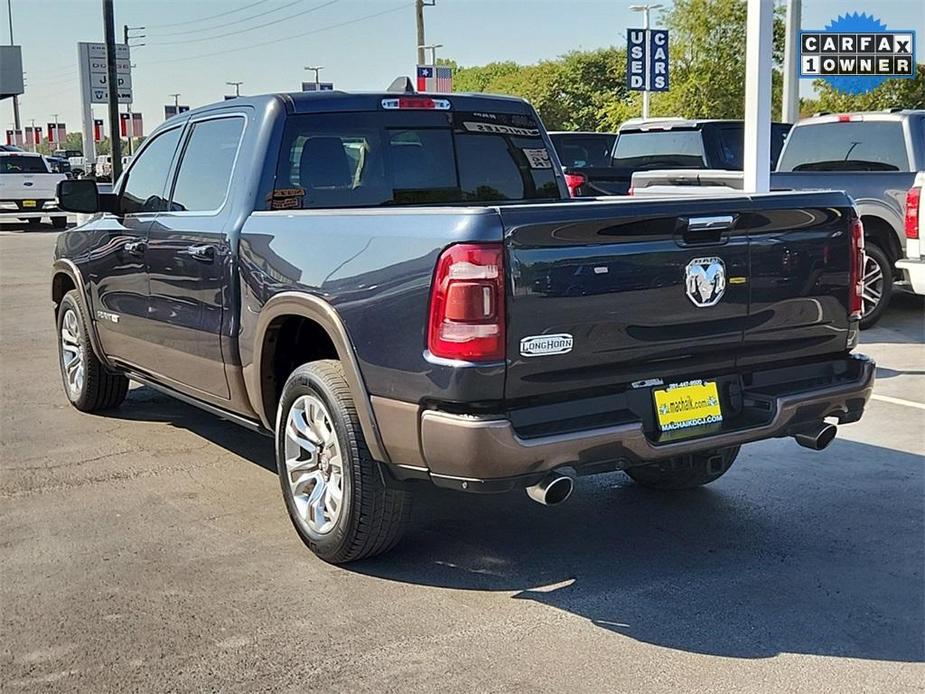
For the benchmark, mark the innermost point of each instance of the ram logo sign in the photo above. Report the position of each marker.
(706, 281)
(544, 345)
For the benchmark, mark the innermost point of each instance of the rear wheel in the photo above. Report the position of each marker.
(59, 222)
(685, 472)
(33, 222)
(877, 284)
(333, 490)
(89, 386)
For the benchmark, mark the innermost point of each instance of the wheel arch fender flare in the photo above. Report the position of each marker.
(322, 313)
(62, 267)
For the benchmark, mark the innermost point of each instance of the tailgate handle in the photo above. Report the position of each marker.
(716, 223)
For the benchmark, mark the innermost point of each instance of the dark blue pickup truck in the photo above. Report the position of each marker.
(398, 287)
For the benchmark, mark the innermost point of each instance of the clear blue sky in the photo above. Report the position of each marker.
(359, 55)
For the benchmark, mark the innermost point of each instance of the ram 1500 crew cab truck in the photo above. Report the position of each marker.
(398, 287)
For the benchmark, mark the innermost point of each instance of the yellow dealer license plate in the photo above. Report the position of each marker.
(28, 203)
(688, 404)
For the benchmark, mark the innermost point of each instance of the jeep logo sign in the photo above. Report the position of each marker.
(542, 345)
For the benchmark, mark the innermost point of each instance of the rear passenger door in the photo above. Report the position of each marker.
(189, 260)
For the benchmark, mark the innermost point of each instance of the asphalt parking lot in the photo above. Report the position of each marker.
(150, 550)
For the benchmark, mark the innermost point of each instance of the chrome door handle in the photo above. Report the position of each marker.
(715, 223)
(204, 253)
(135, 247)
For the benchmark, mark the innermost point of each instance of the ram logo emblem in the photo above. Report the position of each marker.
(705, 279)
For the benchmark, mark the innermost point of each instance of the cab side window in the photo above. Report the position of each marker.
(205, 170)
(145, 181)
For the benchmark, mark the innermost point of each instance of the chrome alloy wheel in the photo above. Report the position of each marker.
(871, 285)
(72, 354)
(314, 464)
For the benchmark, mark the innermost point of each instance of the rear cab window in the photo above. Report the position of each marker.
(411, 157)
(584, 151)
(13, 164)
(660, 149)
(846, 146)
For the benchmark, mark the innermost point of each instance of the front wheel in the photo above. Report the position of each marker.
(59, 222)
(336, 498)
(89, 386)
(685, 472)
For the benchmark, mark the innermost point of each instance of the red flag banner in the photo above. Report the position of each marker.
(97, 129)
(123, 124)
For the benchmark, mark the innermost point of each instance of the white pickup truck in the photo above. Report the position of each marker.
(28, 189)
(913, 265)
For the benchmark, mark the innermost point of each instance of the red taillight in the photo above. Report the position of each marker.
(913, 200)
(574, 181)
(467, 304)
(857, 268)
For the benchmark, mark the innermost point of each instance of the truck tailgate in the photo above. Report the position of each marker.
(606, 294)
(28, 186)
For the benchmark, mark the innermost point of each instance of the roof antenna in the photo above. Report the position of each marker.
(402, 85)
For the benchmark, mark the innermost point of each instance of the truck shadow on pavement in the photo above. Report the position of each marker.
(797, 556)
(790, 552)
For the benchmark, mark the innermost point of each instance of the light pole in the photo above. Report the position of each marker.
(32, 137)
(790, 109)
(433, 52)
(237, 87)
(57, 133)
(176, 101)
(316, 69)
(645, 9)
(16, 121)
(419, 6)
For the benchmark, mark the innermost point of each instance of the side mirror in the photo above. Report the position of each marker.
(82, 195)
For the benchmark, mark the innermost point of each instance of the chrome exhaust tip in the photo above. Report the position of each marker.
(551, 490)
(818, 437)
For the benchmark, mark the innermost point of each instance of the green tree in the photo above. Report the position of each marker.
(898, 93)
(707, 72)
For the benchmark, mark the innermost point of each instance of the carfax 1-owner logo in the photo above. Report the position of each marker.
(856, 53)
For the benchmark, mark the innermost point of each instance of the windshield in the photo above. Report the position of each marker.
(19, 165)
(846, 146)
(660, 149)
(732, 139)
(411, 157)
(584, 150)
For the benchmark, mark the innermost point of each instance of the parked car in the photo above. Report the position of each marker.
(669, 143)
(58, 165)
(75, 158)
(104, 167)
(28, 189)
(399, 288)
(912, 265)
(875, 157)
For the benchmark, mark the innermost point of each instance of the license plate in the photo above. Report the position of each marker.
(28, 203)
(688, 404)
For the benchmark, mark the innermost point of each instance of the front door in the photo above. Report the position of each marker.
(189, 261)
(116, 266)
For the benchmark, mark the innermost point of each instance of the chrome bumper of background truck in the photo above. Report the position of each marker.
(486, 454)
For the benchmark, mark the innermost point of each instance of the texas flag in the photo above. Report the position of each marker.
(425, 78)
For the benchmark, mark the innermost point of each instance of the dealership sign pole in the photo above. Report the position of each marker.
(646, 58)
(759, 34)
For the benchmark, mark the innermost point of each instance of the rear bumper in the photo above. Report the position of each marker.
(914, 273)
(486, 454)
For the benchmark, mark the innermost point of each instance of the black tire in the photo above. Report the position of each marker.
(685, 472)
(99, 389)
(870, 316)
(371, 517)
(33, 222)
(59, 222)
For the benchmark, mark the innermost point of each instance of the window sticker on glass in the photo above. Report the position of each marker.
(286, 198)
(500, 129)
(537, 158)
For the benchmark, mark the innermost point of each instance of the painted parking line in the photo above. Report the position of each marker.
(898, 401)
